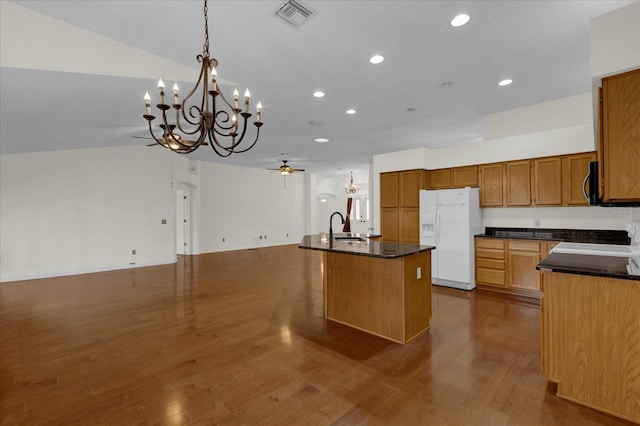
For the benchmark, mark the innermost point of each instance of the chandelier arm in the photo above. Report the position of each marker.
(163, 143)
(203, 74)
(214, 142)
(171, 137)
(250, 146)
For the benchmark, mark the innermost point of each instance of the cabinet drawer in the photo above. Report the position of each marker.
(490, 276)
(524, 245)
(490, 263)
(489, 254)
(490, 243)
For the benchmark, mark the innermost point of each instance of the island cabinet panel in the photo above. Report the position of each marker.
(619, 146)
(491, 188)
(382, 296)
(590, 331)
(518, 183)
(440, 179)
(575, 168)
(465, 176)
(547, 181)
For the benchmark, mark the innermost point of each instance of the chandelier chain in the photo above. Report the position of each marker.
(205, 48)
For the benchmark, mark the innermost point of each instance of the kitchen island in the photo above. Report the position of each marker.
(378, 287)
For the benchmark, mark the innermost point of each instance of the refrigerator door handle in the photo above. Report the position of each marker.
(452, 203)
(437, 227)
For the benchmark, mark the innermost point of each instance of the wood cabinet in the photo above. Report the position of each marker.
(547, 181)
(518, 183)
(455, 177)
(491, 186)
(400, 205)
(464, 176)
(440, 179)
(522, 259)
(619, 137)
(490, 261)
(509, 265)
(590, 341)
(575, 168)
(389, 196)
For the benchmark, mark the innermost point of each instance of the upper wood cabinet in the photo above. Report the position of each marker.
(575, 168)
(465, 176)
(389, 190)
(455, 177)
(518, 183)
(440, 179)
(619, 133)
(547, 181)
(491, 187)
(410, 183)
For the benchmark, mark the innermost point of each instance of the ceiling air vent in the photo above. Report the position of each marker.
(294, 13)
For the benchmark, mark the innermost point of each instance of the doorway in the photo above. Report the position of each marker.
(183, 222)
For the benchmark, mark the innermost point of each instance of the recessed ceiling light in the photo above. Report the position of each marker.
(376, 59)
(318, 94)
(321, 140)
(323, 200)
(505, 82)
(460, 20)
(351, 111)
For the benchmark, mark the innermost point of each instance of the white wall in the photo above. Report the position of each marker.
(240, 204)
(78, 211)
(615, 41)
(75, 211)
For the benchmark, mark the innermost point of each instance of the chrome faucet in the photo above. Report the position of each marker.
(331, 224)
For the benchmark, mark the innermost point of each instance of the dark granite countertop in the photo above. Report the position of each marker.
(598, 236)
(365, 247)
(582, 264)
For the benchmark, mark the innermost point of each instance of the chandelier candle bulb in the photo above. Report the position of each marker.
(236, 95)
(147, 101)
(161, 87)
(214, 76)
(247, 96)
(258, 112)
(176, 91)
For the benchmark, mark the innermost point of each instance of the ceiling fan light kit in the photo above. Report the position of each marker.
(213, 119)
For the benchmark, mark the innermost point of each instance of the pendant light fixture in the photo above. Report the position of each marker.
(210, 119)
(351, 188)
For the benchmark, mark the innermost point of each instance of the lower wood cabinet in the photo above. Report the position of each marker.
(590, 341)
(509, 265)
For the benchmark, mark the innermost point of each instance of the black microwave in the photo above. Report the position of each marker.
(591, 189)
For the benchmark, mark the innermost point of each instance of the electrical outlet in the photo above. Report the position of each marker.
(419, 273)
(133, 251)
(223, 240)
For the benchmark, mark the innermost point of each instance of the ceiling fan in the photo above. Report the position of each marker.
(285, 169)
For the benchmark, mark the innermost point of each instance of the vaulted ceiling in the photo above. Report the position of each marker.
(73, 73)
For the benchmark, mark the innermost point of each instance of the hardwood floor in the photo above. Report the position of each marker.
(238, 338)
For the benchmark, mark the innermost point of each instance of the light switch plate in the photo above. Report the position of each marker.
(419, 273)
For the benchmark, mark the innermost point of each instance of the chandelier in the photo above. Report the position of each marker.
(351, 188)
(212, 120)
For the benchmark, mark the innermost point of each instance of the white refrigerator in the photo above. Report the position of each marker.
(449, 219)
